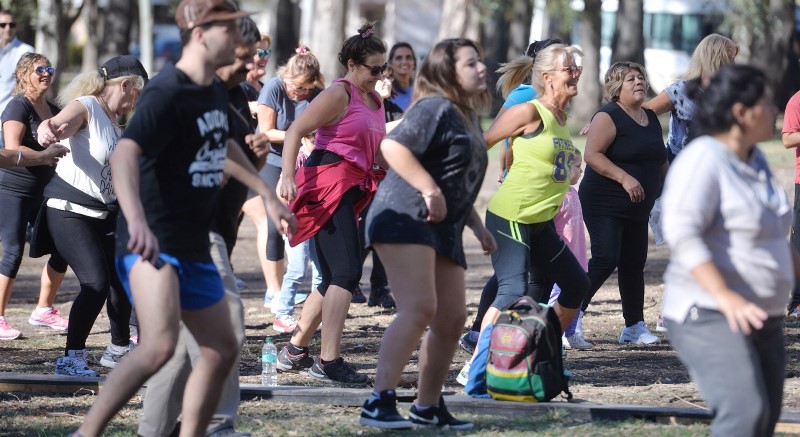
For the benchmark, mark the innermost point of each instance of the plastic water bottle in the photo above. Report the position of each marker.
(269, 360)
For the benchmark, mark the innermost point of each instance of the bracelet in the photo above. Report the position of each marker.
(19, 156)
(436, 192)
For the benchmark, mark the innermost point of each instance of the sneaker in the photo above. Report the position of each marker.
(660, 326)
(381, 296)
(111, 357)
(336, 371)
(575, 341)
(268, 296)
(300, 298)
(51, 318)
(638, 334)
(74, 364)
(358, 296)
(469, 341)
(463, 375)
(437, 416)
(135, 340)
(293, 363)
(285, 323)
(794, 312)
(225, 429)
(240, 284)
(7, 332)
(382, 412)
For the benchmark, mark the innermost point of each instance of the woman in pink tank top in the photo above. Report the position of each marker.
(327, 194)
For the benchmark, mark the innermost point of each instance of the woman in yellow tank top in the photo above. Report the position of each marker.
(520, 213)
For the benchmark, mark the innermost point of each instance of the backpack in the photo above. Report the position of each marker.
(525, 362)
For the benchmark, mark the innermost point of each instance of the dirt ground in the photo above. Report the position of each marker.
(607, 373)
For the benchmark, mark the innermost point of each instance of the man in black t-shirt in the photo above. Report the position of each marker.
(162, 400)
(168, 168)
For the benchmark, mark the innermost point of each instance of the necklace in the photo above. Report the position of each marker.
(561, 110)
(641, 119)
(108, 112)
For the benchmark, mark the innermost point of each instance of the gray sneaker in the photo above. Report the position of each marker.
(337, 371)
(74, 364)
(111, 357)
(293, 363)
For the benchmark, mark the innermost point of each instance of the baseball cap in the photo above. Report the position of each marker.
(120, 66)
(192, 13)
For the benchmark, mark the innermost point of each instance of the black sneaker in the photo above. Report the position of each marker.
(358, 296)
(437, 416)
(336, 371)
(382, 413)
(293, 363)
(381, 296)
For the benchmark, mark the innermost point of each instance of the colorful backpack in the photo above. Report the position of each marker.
(525, 362)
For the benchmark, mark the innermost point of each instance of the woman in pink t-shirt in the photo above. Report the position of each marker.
(327, 194)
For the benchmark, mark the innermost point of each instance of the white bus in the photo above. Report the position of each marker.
(672, 30)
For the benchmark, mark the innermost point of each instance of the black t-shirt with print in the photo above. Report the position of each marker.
(182, 129)
(26, 181)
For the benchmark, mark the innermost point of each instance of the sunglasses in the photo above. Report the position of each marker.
(573, 70)
(11, 25)
(376, 70)
(41, 69)
(264, 53)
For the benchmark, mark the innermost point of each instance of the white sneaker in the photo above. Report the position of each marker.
(74, 364)
(660, 326)
(575, 341)
(638, 334)
(463, 375)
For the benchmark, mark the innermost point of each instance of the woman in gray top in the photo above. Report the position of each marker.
(726, 219)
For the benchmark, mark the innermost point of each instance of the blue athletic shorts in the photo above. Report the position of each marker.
(200, 283)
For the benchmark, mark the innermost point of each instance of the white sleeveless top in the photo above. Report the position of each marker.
(86, 167)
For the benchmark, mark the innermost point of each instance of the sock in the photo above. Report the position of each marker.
(423, 408)
(295, 350)
(374, 397)
(324, 362)
(42, 310)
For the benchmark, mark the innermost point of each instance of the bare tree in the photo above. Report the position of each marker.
(93, 31)
(288, 29)
(628, 42)
(54, 20)
(460, 20)
(118, 15)
(327, 36)
(589, 89)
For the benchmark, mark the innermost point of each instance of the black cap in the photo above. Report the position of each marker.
(537, 46)
(120, 66)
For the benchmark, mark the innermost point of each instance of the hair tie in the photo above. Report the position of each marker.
(368, 33)
(103, 72)
(301, 50)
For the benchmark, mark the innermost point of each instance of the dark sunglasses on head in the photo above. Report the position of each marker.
(264, 53)
(50, 70)
(11, 25)
(376, 70)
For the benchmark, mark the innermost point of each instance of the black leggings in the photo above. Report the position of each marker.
(88, 246)
(275, 244)
(618, 244)
(15, 213)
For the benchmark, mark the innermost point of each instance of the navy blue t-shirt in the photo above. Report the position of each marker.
(182, 129)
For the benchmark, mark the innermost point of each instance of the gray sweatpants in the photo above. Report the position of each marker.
(164, 396)
(741, 377)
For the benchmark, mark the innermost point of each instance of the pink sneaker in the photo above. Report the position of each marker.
(284, 324)
(7, 332)
(51, 318)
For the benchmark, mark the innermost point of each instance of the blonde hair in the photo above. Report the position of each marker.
(91, 83)
(302, 67)
(25, 67)
(713, 52)
(437, 77)
(615, 76)
(515, 72)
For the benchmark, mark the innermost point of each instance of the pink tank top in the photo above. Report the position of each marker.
(358, 134)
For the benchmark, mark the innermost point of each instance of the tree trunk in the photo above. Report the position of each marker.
(54, 20)
(460, 19)
(286, 35)
(495, 34)
(771, 49)
(519, 28)
(118, 16)
(628, 42)
(327, 36)
(589, 89)
(93, 31)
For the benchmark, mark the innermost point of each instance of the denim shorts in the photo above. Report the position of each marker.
(200, 283)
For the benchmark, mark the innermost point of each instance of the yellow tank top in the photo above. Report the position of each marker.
(539, 176)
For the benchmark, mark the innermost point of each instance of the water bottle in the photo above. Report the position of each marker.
(269, 361)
